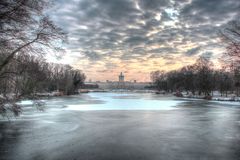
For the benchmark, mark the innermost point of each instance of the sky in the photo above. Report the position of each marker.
(106, 37)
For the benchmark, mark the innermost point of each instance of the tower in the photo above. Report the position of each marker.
(121, 83)
(121, 77)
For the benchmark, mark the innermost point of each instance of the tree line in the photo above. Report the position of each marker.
(201, 78)
(31, 75)
(198, 79)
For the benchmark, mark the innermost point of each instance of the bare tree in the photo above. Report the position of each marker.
(159, 80)
(25, 29)
(204, 81)
(231, 36)
(197, 77)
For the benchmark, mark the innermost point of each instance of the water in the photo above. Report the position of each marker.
(123, 126)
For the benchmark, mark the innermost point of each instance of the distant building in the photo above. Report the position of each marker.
(121, 84)
(121, 77)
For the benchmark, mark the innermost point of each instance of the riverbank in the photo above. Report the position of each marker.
(216, 97)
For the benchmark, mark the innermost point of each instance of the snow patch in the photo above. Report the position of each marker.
(25, 102)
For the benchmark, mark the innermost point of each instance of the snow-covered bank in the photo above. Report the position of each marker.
(235, 103)
(214, 97)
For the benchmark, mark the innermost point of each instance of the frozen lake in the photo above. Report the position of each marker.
(118, 126)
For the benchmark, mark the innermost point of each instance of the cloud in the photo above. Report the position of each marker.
(210, 11)
(133, 31)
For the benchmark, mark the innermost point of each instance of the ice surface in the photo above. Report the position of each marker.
(123, 126)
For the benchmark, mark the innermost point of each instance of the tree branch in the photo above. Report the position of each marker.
(8, 59)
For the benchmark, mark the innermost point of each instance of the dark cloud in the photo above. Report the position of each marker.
(207, 55)
(166, 17)
(162, 50)
(170, 63)
(110, 65)
(136, 40)
(91, 55)
(193, 51)
(118, 9)
(154, 5)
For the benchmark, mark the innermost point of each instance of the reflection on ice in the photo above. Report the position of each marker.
(127, 105)
(125, 102)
